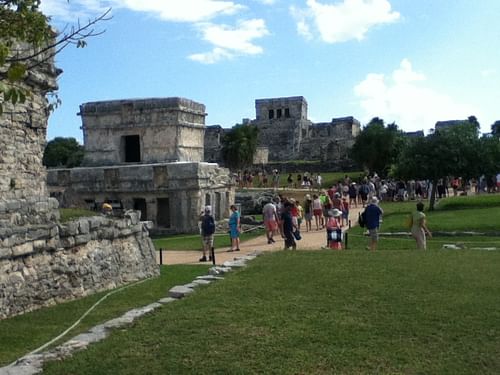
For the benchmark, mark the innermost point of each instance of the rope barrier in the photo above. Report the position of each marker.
(80, 319)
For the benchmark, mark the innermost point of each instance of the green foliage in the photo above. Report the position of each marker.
(377, 146)
(27, 40)
(239, 146)
(68, 214)
(63, 153)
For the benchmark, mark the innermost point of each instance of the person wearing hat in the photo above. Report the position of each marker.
(207, 233)
(334, 229)
(373, 214)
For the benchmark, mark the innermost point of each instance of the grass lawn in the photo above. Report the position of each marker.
(21, 334)
(352, 312)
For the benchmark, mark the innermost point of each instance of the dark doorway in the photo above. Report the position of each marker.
(163, 212)
(140, 205)
(132, 148)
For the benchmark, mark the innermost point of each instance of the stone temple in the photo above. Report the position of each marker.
(147, 155)
(286, 133)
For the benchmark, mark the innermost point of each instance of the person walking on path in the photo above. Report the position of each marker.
(270, 220)
(234, 229)
(334, 229)
(373, 214)
(419, 227)
(308, 212)
(207, 233)
(287, 227)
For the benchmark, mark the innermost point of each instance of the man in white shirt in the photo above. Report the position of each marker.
(270, 221)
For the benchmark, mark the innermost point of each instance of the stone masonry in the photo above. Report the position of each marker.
(288, 134)
(41, 260)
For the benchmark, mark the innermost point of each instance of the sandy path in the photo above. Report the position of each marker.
(313, 240)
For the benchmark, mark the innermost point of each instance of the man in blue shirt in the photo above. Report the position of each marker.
(373, 214)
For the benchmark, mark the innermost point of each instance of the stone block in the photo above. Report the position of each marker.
(82, 239)
(5, 252)
(179, 291)
(68, 229)
(26, 248)
(67, 242)
(83, 226)
(39, 244)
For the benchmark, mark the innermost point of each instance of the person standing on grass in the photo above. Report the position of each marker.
(234, 229)
(308, 212)
(373, 216)
(207, 233)
(287, 227)
(419, 227)
(270, 220)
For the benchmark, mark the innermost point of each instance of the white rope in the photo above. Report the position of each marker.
(80, 319)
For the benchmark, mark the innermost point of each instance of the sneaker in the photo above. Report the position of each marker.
(269, 241)
(237, 250)
(272, 240)
(203, 258)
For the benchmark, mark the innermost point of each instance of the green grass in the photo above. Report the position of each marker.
(21, 334)
(352, 312)
(475, 201)
(68, 214)
(193, 241)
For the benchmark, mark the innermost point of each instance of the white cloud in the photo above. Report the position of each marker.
(183, 10)
(344, 21)
(404, 99)
(231, 41)
(167, 10)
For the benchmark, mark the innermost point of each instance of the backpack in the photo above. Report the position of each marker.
(208, 225)
(362, 219)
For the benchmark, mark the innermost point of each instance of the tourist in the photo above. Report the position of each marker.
(207, 233)
(287, 227)
(334, 229)
(353, 193)
(317, 211)
(419, 227)
(363, 192)
(289, 180)
(345, 211)
(319, 181)
(300, 215)
(276, 179)
(308, 212)
(299, 181)
(373, 214)
(234, 229)
(270, 216)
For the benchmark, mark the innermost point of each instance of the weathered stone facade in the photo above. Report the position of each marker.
(172, 195)
(142, 131)
(41, 265)
(288, 134)
(145, 154)
(41, 260)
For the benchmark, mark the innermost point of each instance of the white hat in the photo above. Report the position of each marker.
(336, 212)
(208, 209)
(374, 200)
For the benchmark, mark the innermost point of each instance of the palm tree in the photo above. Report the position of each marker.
(239, 146)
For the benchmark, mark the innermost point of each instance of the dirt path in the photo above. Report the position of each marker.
(313, 240)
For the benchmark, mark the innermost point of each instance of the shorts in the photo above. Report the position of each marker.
(208, 241)
(271, 225)
(373, 234)
(318, 212)
(308, 217)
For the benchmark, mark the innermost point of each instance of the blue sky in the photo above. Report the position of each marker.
(412, 62)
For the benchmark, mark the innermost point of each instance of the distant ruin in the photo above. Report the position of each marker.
(287, 133)
(146, 155)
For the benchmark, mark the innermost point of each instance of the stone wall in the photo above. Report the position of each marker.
(44, 264)
(23, 129)
(167, 129)
(172, 195)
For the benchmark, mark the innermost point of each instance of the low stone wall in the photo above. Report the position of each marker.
(49, 262)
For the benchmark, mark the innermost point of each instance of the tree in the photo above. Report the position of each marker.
(377, 146)
(27, 40)
(454, 151)
(495, 129)
(239, 146)
(63, 153)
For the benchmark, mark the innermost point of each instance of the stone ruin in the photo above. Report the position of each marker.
(146, 155)
(287, 133)
(44, 261)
